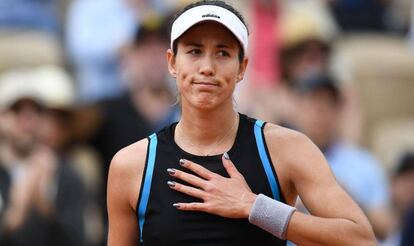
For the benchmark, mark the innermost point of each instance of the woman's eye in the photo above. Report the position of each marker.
(223, 53)
(194, 52)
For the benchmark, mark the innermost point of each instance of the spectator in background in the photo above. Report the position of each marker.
(44, 205)
(307, 32)
(20, 118)
(58, 98)
(320, 102)
(30, 15)
(146, 106)
(403, 198)
(153, 94)
(95, 32)
(56, 131)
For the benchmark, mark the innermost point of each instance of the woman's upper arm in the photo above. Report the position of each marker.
(124, 182)
(312, 179)
(317, 186)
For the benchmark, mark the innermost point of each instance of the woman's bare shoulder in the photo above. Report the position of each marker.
(131, 159)
(277, 134)
(287, 144)
(125, 174)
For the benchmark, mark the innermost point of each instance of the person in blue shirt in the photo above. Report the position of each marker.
(95, 32)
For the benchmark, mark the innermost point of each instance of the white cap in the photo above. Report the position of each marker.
(47, 85)
(306, 20)
(210, 13)
(17, 85)
(56, 87)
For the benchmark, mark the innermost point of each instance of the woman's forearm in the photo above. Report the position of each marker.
(306, 229)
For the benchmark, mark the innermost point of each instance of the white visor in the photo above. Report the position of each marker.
(210, 13)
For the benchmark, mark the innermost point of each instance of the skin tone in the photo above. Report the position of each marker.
(312, 60)
(55, 130)
(20, 125)
(207, 69)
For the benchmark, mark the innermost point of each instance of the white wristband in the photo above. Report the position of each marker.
(271, 215)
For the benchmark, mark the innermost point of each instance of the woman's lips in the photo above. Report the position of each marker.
(205, 83)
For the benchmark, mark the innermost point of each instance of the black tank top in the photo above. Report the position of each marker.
(162, 224)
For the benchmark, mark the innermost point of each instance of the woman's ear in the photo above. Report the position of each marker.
(242, 69)
(171, 63)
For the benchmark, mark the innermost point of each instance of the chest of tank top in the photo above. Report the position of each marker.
(162, 224)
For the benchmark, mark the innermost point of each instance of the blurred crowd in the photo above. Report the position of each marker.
(81, 79)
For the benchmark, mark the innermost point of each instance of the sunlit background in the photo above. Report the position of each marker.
(81, 79)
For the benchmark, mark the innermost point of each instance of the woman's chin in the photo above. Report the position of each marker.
(205, 103)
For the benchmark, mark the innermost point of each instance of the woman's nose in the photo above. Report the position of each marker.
(207, 67)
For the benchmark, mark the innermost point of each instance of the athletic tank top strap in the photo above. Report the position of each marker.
(146, 182)
(265, 159)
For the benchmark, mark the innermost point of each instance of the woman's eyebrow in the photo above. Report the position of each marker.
(223, 46)
(193, 44)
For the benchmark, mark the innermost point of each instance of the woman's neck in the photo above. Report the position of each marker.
(205, 132)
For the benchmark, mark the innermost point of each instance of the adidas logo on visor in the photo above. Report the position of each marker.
(211, 14)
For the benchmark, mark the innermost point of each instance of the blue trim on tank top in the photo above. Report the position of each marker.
(147, 183)
(258, 133)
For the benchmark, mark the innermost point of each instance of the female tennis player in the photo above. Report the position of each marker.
(218, 177)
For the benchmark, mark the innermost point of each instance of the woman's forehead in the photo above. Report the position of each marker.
(209, 30)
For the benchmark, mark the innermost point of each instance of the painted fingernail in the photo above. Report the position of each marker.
(226, 156)
(171, 171)
(182, 162)
(171, 183)
(176, 205)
